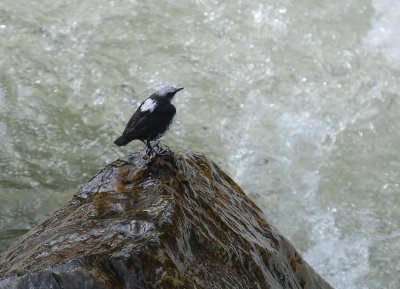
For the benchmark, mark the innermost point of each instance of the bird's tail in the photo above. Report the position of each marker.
(121, 141)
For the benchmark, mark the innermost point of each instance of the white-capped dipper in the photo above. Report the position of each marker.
(152, 119)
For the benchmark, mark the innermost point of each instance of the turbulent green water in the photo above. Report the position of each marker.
(299, 102)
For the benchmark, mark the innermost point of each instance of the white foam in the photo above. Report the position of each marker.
(384, 34)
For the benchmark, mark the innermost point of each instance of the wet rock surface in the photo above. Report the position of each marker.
(175, 221)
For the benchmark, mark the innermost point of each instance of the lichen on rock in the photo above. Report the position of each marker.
(174, 221)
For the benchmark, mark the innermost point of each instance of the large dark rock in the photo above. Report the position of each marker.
(173, 222)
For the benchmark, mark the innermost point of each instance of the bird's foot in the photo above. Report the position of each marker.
(157, 149)
(162, 150)
(149, 153)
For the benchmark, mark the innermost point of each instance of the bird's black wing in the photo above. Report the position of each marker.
(135, 118)
(162, 114)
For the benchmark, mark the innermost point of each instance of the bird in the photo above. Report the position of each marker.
(151, 120)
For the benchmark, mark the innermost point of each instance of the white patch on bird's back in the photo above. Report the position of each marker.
(149, 104)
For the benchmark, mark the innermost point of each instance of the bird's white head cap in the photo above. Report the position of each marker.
(168, 91)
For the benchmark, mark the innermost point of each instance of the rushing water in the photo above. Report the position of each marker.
(299, 102)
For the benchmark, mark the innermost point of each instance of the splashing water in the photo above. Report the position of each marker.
(298, 102)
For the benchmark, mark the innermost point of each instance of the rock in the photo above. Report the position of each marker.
(176, 221)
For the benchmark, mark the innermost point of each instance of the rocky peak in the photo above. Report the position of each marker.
(176, 221)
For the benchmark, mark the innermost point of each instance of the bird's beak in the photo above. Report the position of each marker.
(178, 89)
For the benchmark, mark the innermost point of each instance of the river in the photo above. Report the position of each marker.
(297, 101)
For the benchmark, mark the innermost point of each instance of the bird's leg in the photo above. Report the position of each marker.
(148, 144)
(157, 144)
(149, 149)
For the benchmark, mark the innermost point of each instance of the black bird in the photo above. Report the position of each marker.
(152, 119)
